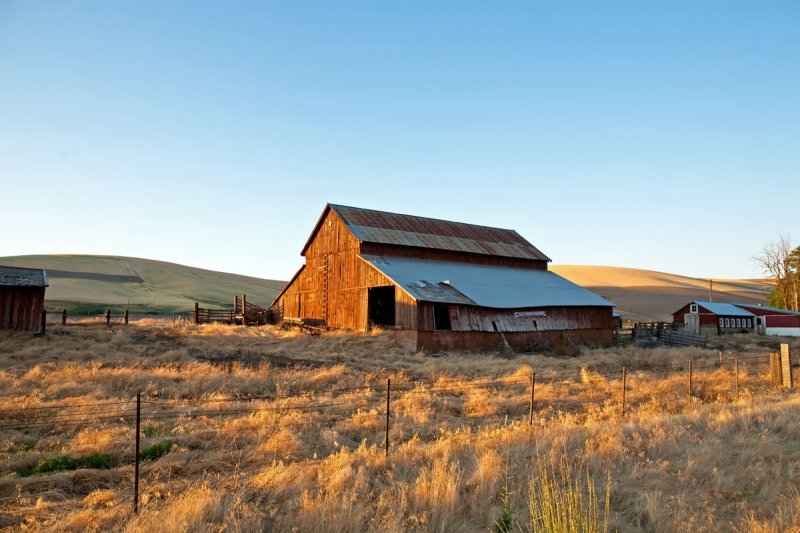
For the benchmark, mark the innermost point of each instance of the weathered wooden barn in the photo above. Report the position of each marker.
(22, 298)
(439, 284)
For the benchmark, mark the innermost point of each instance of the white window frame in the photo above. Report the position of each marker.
(693, 309)
(727, 322)
(721, 322)
(738, 322)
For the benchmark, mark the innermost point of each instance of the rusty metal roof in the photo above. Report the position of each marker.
(499, 287)
(381, 227)
(22, 277)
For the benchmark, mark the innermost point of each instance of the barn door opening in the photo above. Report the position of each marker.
(380, 306)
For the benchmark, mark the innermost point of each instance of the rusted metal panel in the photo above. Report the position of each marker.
(370, 226)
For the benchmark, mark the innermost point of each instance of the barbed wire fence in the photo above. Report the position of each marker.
(526, 399)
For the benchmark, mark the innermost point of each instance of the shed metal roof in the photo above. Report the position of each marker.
(767, 308)
(381, 227)
(724, 309)
(22, 277)
(498, 287)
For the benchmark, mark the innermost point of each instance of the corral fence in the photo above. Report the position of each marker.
(530, 398)
(241, 312)
(657, 331)
(63, 318)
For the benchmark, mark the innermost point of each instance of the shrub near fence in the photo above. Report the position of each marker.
(522, 403)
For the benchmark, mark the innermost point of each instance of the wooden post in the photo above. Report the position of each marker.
(196, 313)
(136, 466)
(689, 384)
(244, 302)
(737, 376)
(786, 367)
(388, 396)
(624, 376)
(775, 370)
(720, 359)
(108, 316)
(64, 317)
(533, 389)
(44, 321)
(126, 317)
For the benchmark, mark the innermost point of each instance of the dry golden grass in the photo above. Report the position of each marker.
(271, 429)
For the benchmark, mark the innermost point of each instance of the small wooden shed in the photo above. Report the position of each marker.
(22, 298)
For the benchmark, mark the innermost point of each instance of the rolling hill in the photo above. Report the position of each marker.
(90, 283)
(650, 295)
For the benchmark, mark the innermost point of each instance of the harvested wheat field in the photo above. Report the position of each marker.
(267, 429)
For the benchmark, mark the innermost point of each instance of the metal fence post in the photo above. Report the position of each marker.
(64, 316)
(136, 467)
(388, 399)
(126, 317)
(624, 376)
(533, 390)
(689, 383)
(736, 364)
(108, 316)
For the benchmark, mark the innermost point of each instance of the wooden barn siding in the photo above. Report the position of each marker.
(349, 278)
(390, 250)
(478, 340)
(21, 308)
(472, 318)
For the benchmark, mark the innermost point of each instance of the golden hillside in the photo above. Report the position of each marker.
(650, 295)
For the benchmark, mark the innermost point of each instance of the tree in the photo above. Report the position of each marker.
(782, 264)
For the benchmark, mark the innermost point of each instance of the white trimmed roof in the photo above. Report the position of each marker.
(498, 287)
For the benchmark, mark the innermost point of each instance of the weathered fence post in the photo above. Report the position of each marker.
(125, 316)
(786, 366)
(689, 383)
(136, 466)
(108, 316)
(64, 317)
(624, 376)
(775, 370)
(533, 389)
(737, 376)
(196, 313)
(720, 359)
(388, 399)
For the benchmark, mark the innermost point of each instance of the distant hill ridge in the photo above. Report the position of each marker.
(90, 282)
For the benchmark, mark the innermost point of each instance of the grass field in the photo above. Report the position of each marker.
(251, 429)
(88, 283)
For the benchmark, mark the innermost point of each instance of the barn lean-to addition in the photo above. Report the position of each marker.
(439, 284)
(22, 298)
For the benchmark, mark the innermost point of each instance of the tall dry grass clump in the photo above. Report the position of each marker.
(564, 499)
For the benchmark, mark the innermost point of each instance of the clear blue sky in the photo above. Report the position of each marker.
(659, 135)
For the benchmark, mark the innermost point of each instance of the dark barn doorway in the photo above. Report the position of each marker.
(380, 306)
